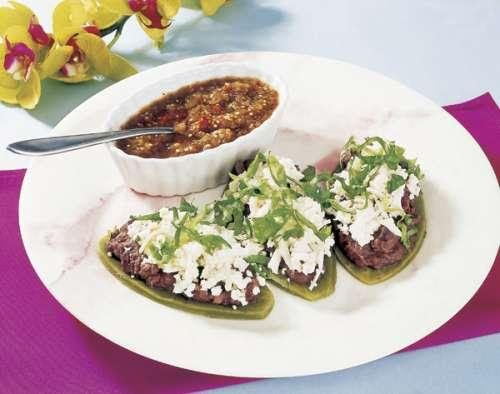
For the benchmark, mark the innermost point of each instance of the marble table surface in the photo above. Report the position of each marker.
(446, 50)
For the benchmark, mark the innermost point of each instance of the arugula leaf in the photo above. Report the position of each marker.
(154, 252)
(336, 205)
(316, 192)
(258, 263)
(323, 177)
(175, 213)
(394, 155)
(167, 250)
(295, 232)
(325, 232)
(210, 242)
(258, 259)
(395, 183)
(187, 207)
(254, 165)
(155, 217)
(304, 221)
(309, 174)
(408, 230)
(277, 171)
(266, 227)
(178, 230)
(230, 213)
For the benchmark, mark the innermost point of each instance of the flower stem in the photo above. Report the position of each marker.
(116, 27)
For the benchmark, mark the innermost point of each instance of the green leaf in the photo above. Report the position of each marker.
(316, 192)
(154, 252)
(395, 183)
(277, 171)
(309, 174)
(259, 259)
(212, 242)
(394, 155)
(258, 263)
(325, 232)
(187, 207)
(266, 227)
(295, 232)
(304, 221)
(254, 165)
(155, 217)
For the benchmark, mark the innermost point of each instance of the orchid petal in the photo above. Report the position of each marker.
(37, 33)
(118, 6)
(8, 95)
(120, 68)
(68, 16)
(6, 79)
(14, 14)
(157, 35)
(30, 91)
(56, 58)
(105, 18)
(96, 51)
(191, 4)
(210, 7)
(168, 8)
(17, 34)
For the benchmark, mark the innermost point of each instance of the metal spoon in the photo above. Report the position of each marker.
(65, 143)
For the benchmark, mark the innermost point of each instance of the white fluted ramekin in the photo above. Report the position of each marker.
(197, 171)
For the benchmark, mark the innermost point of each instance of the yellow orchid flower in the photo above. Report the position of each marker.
(28, 54)
(209, 7)
(78, 23)
(71, 16)
(154, 16)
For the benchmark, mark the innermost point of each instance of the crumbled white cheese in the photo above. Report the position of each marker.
(413, 185)
(264, 173)
(311, 210)
(224, 269)
(290, 169)
(216, 291)
(305, 254)
(366, 222)
(258, 207)
(141, 229)
(382, 206)
(185, 266)
(378, 185)
(396, 208)
(256, 290)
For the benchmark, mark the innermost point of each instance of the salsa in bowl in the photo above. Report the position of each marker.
(221, 113)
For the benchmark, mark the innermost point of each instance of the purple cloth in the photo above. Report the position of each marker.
(43, 349)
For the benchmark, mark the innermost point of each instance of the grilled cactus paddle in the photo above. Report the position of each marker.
(257, 310)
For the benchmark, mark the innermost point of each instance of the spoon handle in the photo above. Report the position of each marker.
(65, 143)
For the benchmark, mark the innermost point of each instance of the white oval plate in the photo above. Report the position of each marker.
(69, 201)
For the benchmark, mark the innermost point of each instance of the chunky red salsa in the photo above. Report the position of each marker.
(204, 115)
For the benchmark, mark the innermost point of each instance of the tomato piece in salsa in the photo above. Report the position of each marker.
(204, 115)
